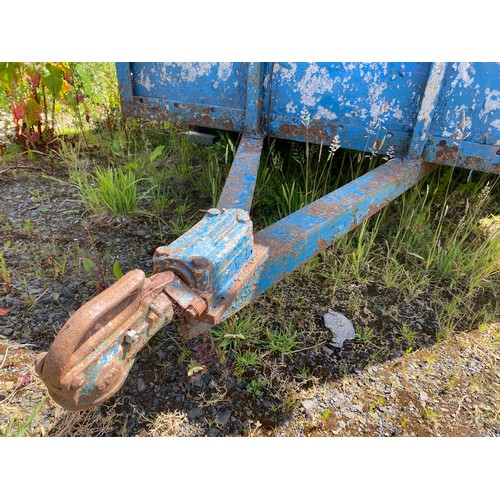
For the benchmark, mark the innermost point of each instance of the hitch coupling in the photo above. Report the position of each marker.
(93, 353)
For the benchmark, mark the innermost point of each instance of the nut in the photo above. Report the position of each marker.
(131, 337)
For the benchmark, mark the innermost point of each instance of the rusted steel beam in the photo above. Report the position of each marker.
(447, 151)
(240, 184)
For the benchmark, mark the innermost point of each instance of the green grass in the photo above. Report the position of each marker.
(22, 427)
(109, 190)
(282, 341)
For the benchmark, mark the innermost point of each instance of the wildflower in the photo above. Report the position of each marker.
(389, 155)
(305, 117)
(333, 147)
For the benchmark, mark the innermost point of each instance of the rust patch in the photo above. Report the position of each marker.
(446, 155)
(314, 133)
(214, 315)
(322, 245)
(94, 336)
(474, 163)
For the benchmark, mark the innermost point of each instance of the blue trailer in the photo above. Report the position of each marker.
(422, 115)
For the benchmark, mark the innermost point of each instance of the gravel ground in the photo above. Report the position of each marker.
(447, 388)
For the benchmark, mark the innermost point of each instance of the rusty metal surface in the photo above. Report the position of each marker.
(446, 151)
(183, 112)
(401, 107)
(240, 184)
(298, 237)
(211, 253)
(186, 298)
(91, 356)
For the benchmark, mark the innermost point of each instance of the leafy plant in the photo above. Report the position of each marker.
(409, 334)
(364, 334)
(117, 270)
(97, 270)
(32, 91)
(256, 387)
(7, 277)
(194, 367)
(236, 329)
(246, 359)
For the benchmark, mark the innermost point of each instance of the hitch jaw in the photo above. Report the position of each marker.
(93, 353)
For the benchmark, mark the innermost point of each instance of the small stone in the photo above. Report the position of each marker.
(223, 418)
(8, 331)
(194, 413)
(160, 354)
(308, 405)
(198, 380)
(342, 424)
(67, 293)
(213, 432)
(327, 350)
(424, 396)
(141, 385)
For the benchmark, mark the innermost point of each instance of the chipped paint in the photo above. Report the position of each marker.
(496, 124)
(427, 108)
(492, 101)
(361, 102)
(285, 70)
(191, 71)
(291, 108)
(314, 84)
(462, 74)
(223, 74)
(324, 113)
(349, 66)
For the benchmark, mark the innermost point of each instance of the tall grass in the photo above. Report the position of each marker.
(109, 190)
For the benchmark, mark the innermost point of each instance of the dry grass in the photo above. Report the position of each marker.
(172, 424)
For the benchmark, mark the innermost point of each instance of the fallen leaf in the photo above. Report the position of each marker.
(4, 312)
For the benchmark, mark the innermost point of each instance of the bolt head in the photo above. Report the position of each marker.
(131, 337)
(244, 217)
(213, 212)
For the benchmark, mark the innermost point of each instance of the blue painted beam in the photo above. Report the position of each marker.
(254, 98)
(124, 76)
(240, 184)
(427, 109)
(297, 238)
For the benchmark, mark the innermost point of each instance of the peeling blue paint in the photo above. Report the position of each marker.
(370, 107)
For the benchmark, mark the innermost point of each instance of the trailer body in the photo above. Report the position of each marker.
(420, 115)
